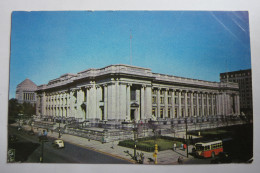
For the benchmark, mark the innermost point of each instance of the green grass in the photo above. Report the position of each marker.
(163, 144)
(148, 144)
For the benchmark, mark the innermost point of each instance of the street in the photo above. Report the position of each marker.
(29, 149)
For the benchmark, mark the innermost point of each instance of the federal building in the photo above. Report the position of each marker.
(124, 93)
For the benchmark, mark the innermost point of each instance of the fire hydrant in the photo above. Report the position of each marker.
(155, 153)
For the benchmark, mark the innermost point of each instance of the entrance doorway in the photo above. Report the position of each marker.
(132, 117)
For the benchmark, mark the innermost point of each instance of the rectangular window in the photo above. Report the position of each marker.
(182, 101)
(162, 92)
(162, 100)
(154, 112)
(169, 113)
(154, 100)
(161, 112)
(133, 94)
(175, 112)
(169, 100)
(182, 112)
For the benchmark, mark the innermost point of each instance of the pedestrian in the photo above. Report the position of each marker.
(184, 147)
(174, 147)
(180, 160)
(39, 133)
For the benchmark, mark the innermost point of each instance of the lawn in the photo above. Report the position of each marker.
(147, 144)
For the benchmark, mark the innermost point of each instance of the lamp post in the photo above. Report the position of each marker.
(59, 128)
(186, 123)
(135, 132)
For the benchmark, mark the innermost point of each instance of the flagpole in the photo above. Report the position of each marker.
(130, 47)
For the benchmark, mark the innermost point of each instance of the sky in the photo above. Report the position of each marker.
(192, 44)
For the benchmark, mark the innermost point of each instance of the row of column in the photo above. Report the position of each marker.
(28, 96)
(113, 101)
(214, 107)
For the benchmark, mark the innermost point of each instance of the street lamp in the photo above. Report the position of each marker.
(186, 123)
(59, 127)
(135, 140)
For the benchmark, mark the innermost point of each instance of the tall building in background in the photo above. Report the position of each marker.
(25, 92)
(244, 80)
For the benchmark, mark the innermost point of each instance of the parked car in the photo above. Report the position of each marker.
(58, 143)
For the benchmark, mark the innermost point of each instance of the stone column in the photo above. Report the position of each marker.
(191, 102)
(88, 106)
(173, 103)
(212, 103)
(218, 104)
(117, 87)
(148, 102)
(71, 103)
(202, 102)
(105, 102)
(98, 97)
(223, 105)
(186, 104)
(207, 102)
(227, 104)
(123, 100)
(179, 97)
(128, 102)
(198, 104)
(166, 103)
(142, 102)
(158, 103)
(238, 105)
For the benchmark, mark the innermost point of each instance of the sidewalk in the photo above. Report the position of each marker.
(163, 157)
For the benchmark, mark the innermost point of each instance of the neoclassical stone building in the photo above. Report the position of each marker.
(126, 93)
(25, 92)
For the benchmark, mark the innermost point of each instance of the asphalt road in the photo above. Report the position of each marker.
(29, 149)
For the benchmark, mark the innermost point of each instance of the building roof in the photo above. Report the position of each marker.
(26, 85)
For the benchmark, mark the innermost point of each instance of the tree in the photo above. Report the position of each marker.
(15, 108)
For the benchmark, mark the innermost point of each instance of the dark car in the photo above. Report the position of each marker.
(223, 157)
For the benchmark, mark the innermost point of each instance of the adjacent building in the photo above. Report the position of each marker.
(124, 93)
(25, 92)
(244, 80)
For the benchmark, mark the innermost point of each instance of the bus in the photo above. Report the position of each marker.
(208, 149)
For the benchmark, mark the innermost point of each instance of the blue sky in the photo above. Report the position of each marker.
(193, 44)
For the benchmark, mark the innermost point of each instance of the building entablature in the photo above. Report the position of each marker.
(88, 78)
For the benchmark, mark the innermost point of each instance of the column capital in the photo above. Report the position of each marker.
(129, 84)
(143, 86)
(178, 90)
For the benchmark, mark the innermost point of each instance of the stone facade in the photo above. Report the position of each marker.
(25, 92)
(123, 93)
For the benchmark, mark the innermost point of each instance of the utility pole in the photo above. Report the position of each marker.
(59, 128)
(186, 137)
(41, 158)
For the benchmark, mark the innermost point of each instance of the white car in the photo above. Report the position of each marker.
(58, 143)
